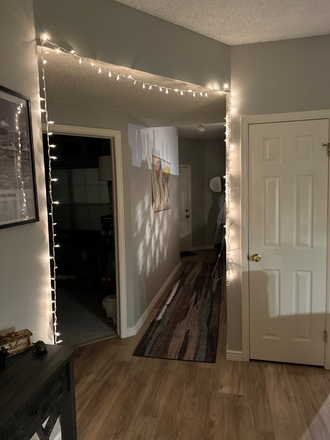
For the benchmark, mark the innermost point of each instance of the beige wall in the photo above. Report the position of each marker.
(276, 77)
(152, 240)
(24, 257)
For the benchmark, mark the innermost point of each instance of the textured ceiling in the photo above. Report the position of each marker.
(80, 84)
(243, 21)
(212, 132)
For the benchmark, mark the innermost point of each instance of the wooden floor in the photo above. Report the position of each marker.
(122, 397)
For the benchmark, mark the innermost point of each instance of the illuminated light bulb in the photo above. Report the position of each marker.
(50, 133)
(100, 70)
(194, 94)
(190, 90)
(160, 89)
(166, 92)
(181, 93)
(57, 245)
(226, 86)
(51, 122)
(50, 257)
(150, 87)
(80, 61)
(56, 203)
(53, 157)
(135, 81)
(52, 146)
(58, 51)
(144, 86)
(72, 51)
(58, 342)
(118, 77)
(54, 224)
(224, 226)
(206, 94)
(42, 110)
(44, 61)
(54, 180)
(45, 36)
(129, 76)
(42, 99)
(110, 74)
(57, 334)
(92, 64)
(176, 90)
(201, 93)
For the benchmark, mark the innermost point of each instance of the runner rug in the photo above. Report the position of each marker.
(186, 325)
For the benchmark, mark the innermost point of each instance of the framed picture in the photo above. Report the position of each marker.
(18, 194)
(161, 180)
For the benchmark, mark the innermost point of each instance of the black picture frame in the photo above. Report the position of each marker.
(18, 189)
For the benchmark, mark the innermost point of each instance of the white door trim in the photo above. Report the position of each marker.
(245, 122)
(190, 218)
(119, 208)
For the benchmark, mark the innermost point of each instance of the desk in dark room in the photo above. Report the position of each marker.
(34, 388)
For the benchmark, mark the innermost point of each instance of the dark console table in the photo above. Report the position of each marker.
(34, 389)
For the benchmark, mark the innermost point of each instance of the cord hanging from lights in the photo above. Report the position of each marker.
(53, 245)
(145, 85)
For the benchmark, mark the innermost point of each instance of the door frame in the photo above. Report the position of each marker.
(119, 211)
(245, 122)
(190, 217)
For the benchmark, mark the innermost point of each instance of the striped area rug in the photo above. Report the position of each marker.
(186, 325)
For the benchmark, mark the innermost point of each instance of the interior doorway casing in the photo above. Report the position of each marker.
(118, 190)
(245, 294)
(188, 167)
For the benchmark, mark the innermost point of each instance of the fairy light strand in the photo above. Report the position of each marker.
(53, 245)
(228, 191)
(112, 73)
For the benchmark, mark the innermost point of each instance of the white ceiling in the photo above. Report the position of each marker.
(80, 84)
(243, 21)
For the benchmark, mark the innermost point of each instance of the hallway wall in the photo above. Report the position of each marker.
(275, 77)
(24, 253)
(112, 32)
(207, 159)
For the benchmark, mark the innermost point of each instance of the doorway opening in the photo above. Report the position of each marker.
(85, 229)
(202, 158)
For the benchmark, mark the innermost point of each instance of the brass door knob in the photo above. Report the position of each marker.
(256, 258)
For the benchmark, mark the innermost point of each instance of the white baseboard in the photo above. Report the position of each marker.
(132, 331)
(200, 248)
(233, 355)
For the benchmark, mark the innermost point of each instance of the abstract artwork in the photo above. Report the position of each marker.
(18, 198)
(161, 188)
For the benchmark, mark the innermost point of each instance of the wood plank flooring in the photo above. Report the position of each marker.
(121, 397)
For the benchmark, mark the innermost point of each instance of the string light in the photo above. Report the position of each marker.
(119, 75)
(111, 73)
(53, 245)
(228, 192)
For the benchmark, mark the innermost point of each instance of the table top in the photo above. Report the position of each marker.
(24, 374)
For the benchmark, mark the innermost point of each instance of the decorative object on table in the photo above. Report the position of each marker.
(3, 355)
(16, 342)
(39, 348)
(186, 326)
(161, 188)
(18, 197)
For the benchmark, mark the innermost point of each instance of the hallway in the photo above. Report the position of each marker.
(119, 396)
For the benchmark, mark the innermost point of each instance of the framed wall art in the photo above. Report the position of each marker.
(18, 195)
(161, 180)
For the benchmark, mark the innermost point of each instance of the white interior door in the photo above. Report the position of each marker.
(185, 208)
(288, 180)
